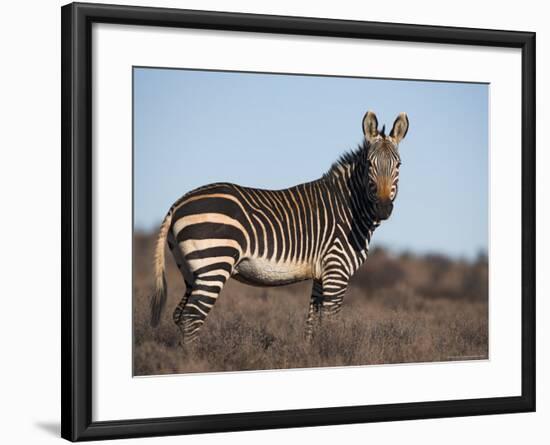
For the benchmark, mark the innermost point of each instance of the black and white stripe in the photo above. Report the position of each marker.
(318, 230)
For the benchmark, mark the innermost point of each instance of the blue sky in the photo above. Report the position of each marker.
(274, 131)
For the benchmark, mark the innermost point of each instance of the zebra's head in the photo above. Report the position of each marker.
(383, 162)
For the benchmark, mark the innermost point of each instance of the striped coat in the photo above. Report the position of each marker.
(316, 231)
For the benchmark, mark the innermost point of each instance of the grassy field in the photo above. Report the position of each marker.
(398, 309)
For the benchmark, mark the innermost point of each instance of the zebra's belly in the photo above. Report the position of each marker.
(263, 272)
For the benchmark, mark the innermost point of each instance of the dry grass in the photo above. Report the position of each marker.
(397, 310)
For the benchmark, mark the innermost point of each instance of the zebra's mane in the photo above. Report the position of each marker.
(349, 158)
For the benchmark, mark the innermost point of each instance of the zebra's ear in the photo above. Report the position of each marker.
(370, 126)
(400, 127)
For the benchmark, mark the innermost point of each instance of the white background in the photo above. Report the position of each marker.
(29, 184)
(116, 49)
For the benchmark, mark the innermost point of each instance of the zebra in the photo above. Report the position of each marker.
(317, 231)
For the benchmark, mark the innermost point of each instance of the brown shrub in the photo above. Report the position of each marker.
(398, 309)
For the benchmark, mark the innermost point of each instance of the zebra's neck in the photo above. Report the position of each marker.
(347, 180)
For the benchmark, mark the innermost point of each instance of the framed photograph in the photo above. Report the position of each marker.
(359, 197)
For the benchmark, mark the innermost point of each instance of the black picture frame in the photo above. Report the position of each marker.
(76, 247)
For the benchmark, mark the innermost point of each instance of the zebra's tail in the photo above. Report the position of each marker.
(158, 300)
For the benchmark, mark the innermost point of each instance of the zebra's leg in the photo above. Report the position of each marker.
(186, 274)
(315, 307)
(335, 284)
(203, 294)
(176, 316)
(333, 296)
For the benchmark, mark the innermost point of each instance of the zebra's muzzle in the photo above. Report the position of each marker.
(384, 209)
